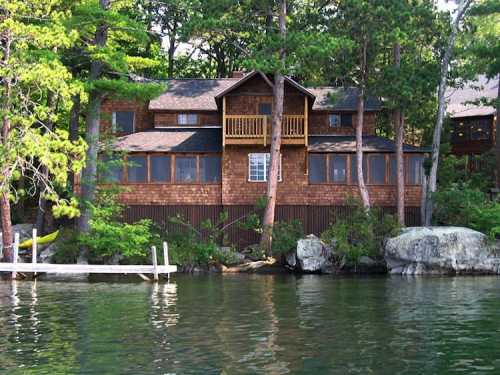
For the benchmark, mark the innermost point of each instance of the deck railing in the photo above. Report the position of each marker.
(259, 127)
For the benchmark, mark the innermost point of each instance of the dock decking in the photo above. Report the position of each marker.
(34, 267)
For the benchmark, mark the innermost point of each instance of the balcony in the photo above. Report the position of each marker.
(256, 130)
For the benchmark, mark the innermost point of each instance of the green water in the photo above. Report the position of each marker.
(252, 325)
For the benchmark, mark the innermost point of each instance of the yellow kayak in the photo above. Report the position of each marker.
(40, 240)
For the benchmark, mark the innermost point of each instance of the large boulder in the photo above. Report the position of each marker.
(441, 250)
(311, 255)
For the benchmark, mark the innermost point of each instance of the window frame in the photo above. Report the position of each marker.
(369, 172)
(114, 130)
(150, 175)
(188, 114)
(199, 157)
(280, 170)
(125, 169)
(407, 169)
(327, 157)
(329, 161)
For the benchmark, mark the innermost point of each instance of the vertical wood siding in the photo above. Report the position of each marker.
(315, 219)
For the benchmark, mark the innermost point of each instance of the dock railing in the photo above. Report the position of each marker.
(34, 267)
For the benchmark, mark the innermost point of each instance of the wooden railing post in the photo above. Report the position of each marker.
(155, 263)
(264, 130)
(223, 121)
(165, 253)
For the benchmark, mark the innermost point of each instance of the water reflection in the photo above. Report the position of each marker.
(252, 324)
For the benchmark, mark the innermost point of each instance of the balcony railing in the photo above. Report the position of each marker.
(256, 129)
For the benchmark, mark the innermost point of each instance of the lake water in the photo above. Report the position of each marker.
(252, 325)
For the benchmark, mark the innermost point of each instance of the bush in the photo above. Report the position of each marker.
(362, 235)
(462, 205)
(186, 248)
(109, 236)
(286, 235)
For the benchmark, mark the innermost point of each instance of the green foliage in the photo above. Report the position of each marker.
(286, 235)
(362, 235)
(187, 248)
(461, 204)
(109, 236)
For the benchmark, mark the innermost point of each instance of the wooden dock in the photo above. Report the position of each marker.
(35, 268)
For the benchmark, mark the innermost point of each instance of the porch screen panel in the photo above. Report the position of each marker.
(317, 168)
(354, 169)
(393, 170)
(110, 169)
(338, 169)
(210, 169)
(185, 169)
(160, 168)
(415, 170)
(137, 169)
(377, 169)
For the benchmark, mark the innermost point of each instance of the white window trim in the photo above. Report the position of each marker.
(113, 121)
(330, 122)
(280, 171)
(187, 114)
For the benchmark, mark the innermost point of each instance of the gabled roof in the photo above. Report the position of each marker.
(341, 143)
(191, 94)
(341, 99)
(460, 98)
(254, 73)
(171, 140)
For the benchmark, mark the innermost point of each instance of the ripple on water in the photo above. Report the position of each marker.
(248, 324)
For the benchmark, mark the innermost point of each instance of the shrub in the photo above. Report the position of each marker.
(109, 235)
(187, 248)
(286, 235)
(462, 205)
(362, 235)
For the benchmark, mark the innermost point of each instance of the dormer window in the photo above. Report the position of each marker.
(187, 119)
(343, 120)
(123, 122)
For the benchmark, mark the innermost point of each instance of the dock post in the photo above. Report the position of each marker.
(165, 253)
(155, 263)
(34, 255)
(16, 255)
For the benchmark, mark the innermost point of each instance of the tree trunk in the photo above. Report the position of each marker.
(42, 202)
(497, 135)
(272, 179)
(171, 55)
(89, 174)
(436, 142)
(74, 122)
(363, 191)
(399, 131)
(5, 187)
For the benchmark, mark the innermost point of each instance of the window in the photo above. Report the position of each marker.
(354, 169)
(137, 169)
(123, 122)
(265, 109)
(160, 168)
(110, 169)
(187, 119)
(346, 120)
(334, 121)
(258, 167)
(343, 120)
(185, 169)
(317, 168)
(377, 169)
(460, 132)
(338, 169)
(480, 130)
(415, 170)
(210, 169)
